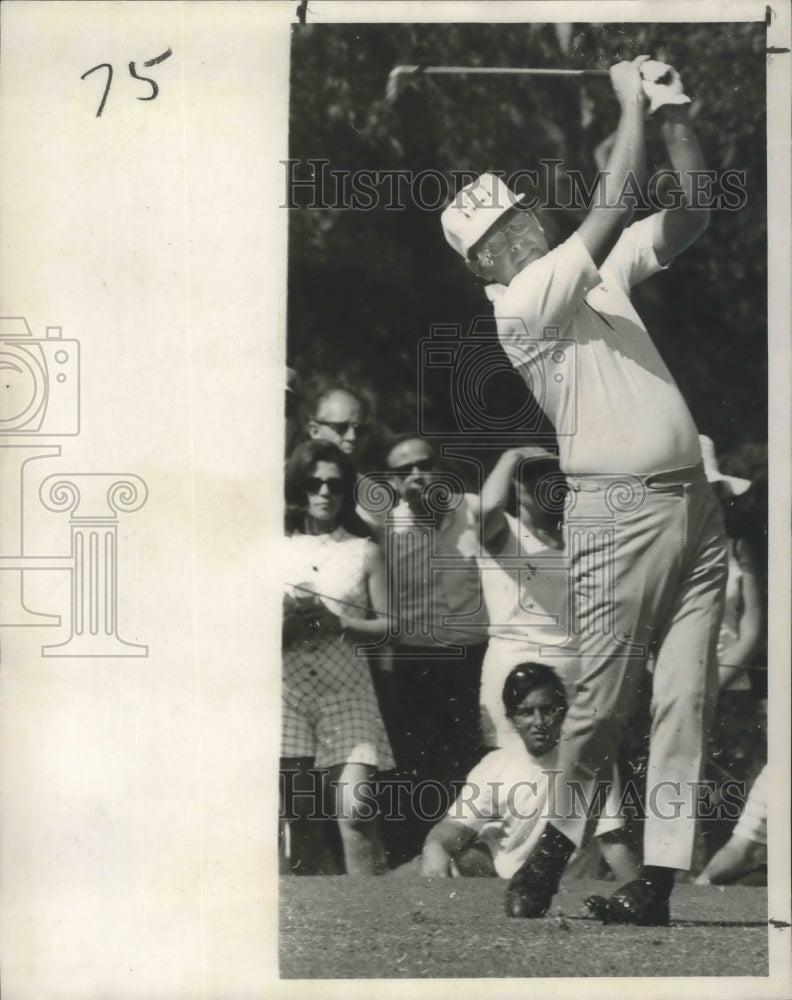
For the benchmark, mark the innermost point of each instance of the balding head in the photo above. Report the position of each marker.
(339, 416)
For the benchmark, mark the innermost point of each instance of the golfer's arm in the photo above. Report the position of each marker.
(681, 225)
(603, 225)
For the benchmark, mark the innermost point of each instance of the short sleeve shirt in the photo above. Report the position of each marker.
(505, 801)
(572, 333)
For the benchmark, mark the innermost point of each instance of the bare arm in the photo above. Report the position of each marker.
(737, 857)
(603, 225)
(680, 226)
(445, 841)
(495, 493)
(352, 621)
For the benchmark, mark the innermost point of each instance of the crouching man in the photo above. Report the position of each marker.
(497, 819)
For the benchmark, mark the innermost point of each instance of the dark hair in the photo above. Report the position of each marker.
(394, 440)
(531, 470)
(527, 677)
(301, 463)
(551, 497)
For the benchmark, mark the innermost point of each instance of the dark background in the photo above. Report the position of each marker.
(366, 286)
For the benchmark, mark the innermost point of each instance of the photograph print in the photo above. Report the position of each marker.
(525, 659)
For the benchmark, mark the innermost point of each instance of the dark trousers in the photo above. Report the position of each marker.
(434, 729)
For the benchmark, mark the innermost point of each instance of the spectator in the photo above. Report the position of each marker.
(503, 807)
(524, 578)
(339, 413)
(291, 409)
(737, 739)
(432, 541)
(335, 597)
(741, 627)
(746, 849)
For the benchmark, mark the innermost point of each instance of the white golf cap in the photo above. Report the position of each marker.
(735, 484)
(475, 209)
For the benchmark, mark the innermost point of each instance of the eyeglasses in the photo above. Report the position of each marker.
(335, 486)
(422, 465)
(342, 427)
(504, 238)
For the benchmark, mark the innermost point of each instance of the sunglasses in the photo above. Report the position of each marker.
(335, 486)
(422, 465)
(342, 427)
(501, 241)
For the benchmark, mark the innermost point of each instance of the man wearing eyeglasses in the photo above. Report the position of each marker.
(648, 564)
(338, 416)
(431, 541)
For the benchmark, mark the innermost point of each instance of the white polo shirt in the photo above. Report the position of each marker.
(572, 333)
(506, 800)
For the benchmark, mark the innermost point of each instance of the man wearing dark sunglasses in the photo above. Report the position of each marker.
(412, 465)
(339, 416)
(431, 540)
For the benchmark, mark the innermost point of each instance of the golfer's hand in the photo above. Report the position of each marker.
(662, 85)
(627, 81)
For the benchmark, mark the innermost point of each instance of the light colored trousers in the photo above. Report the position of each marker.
(647, 576)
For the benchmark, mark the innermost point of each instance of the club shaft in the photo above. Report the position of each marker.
(507, 71)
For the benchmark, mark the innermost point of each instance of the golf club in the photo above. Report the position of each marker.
(398, 72)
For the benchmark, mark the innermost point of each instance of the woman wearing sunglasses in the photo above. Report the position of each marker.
(335, 600)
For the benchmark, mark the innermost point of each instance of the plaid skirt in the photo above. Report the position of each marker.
(329, 708)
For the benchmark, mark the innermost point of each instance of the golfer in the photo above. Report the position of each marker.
(647, 560)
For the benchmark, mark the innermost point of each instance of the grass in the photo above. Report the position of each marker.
(339, 928)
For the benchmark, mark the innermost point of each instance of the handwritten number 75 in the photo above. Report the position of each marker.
(133, 73)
